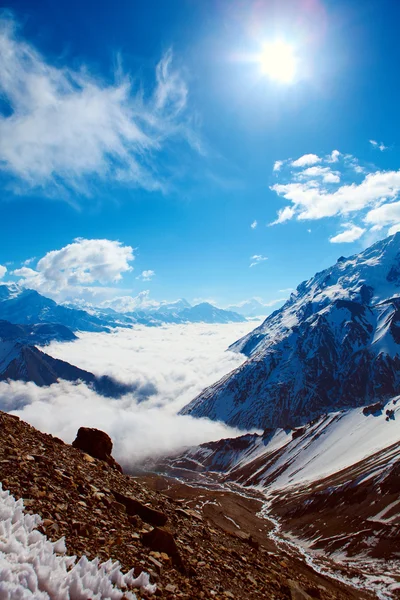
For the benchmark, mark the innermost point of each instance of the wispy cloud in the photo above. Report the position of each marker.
(350, 234)
(146, 275)
(74, 270)
(254, 224)
(277, 165)
(3, 271)
(378, 145)
(65, 129)
(257, 259)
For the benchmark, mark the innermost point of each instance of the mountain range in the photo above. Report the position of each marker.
(24, 306)
(335, 344)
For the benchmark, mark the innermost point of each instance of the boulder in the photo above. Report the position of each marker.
(97, 444)
(162, 540)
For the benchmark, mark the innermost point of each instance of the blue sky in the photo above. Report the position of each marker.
(152, 124)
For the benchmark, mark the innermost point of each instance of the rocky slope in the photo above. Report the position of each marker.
(334, 344)
(192, 542)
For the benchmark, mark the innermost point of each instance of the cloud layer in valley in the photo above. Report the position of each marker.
(170, 366)
(64, 128)
(337, 185)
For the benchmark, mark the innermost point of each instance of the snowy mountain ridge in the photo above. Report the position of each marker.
(335, 344)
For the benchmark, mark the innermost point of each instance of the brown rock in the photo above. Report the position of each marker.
(162, 540)
(97, 444)
(296, 592)
(136, 508)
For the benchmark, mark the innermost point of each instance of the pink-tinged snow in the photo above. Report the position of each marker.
(34, 568)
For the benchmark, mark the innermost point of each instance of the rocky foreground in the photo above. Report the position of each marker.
(220, 550)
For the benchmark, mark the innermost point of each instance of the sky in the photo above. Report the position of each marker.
(206, 149)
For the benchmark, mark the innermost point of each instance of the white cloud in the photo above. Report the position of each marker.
(257, 259)
(334, 156)
(311, 200)
(3, 271)
(385, 214)
(72, 270)
(65, 128)
(131, 303)
(277, 165)
(394, 229)
(378, 145)
(254, 224)
(170, 366)
(306, 160)
(328, 176)
(350, 234)
(287, 290)
(146, 275)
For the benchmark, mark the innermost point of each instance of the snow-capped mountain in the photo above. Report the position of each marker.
(250, 308)
(179, 312)
(334, 344)
(39, 334)
(20, 305)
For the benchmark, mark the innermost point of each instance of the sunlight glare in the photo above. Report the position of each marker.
(278, 61)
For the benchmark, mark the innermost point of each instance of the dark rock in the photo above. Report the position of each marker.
(136, 508)
(96, 443)
(161, 540)
(373, 409)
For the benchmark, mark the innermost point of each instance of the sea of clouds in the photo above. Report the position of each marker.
(169, 366)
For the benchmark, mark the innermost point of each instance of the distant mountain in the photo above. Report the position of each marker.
(177, 312)
(38, 334)
(334, 344)
(250, 308)
(207, 313)
(20, 305)
(22, 362)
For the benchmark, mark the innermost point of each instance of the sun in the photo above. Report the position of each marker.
(278, 61)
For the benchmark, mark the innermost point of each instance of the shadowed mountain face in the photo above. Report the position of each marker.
(334, 344)
(21, 362)
(37, 334)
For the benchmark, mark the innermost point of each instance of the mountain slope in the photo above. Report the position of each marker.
(334, 344)
(22, 362)
(37, 334)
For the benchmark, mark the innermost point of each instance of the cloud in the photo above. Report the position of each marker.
(334, 156)
(64, 129)
(350, 234)
(254, 224)
(131, 303)
(257, 259)
(310, 199)
(385, 214)
(328, 176)
(72, 270)
(287, 290)
(3, 271)
(173, 362)
(306, 160)
(146, 275)
(277, 165)
(378, 145)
